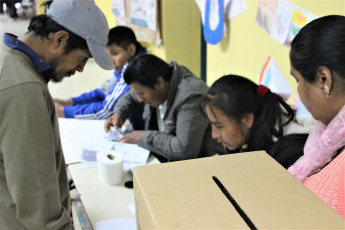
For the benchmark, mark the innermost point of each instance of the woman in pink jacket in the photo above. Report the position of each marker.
(317, 59)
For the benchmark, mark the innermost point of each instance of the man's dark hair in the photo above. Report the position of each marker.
(42, 26)
(146, 69)
(123, 36)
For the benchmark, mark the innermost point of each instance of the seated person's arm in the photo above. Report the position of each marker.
(63, 102)
(122, 110)
(182, 138)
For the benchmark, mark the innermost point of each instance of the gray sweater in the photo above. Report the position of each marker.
(187, 132)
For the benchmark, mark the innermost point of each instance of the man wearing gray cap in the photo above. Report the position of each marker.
(34, 192)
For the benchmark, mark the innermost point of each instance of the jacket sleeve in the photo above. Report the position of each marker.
(30, 152)
(108, 85)
(100, 109)
(95, 95)
(181, 139)
(127, 104)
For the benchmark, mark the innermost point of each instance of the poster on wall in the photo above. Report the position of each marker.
(146, 27)
(144, 13)
(118, 7)
(281, 19)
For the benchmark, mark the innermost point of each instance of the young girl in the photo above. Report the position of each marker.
(317, 60)
(248, 117)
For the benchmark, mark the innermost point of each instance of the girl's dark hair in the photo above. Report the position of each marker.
(42, 26)
(236, 97)
(145, 70)
(320, 43)
(124, 36)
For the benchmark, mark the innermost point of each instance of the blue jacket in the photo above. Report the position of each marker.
(98, 103)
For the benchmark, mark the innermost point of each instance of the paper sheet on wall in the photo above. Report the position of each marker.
(235, 7)
(144, 13)
(118, 7)
(281, 19)
(272, 77)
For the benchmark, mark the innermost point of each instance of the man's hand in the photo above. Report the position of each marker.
(67, 102)
(115, 120)
(59, 109)
(132, 137)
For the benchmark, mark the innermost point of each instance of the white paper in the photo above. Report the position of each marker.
(82, 139)
(117, 224)
(76, 133)
(144, 13)
(133, 155)
(131, 207)
(118, 7)
(236, 7)
(281, 21)
(114, 134)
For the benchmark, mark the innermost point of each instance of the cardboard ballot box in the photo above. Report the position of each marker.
(243, 191)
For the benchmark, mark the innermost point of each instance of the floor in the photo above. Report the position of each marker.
(92, 77)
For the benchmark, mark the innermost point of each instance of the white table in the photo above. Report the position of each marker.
(100, 201)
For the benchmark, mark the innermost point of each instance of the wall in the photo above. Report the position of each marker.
(246, 46)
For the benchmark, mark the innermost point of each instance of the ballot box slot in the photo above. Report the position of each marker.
(234, 203)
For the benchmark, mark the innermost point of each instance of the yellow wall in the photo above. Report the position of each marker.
(247, 45)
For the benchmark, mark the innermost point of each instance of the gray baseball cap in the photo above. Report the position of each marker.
(85, 19)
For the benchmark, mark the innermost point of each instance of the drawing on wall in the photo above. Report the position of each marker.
(281, 19)
(144, 13)
(300, 18)
(265, 14)
(118, 7)
(214, 12)
(214, 21)
(273, 78)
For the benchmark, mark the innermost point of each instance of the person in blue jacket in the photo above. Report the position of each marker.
(99, 103)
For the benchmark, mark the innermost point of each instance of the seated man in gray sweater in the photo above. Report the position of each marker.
(175, 128)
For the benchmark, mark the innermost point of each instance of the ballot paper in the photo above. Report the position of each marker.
(82, 139)
(133, 155)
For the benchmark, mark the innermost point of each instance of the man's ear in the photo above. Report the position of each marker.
(248, 120)
(160, 83)
(324, 77)
(131, 49)
(60, 39)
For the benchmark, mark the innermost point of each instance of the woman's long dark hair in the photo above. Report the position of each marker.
(237, 97)
(320, 43)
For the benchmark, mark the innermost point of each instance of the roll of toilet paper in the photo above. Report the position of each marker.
(110, 167)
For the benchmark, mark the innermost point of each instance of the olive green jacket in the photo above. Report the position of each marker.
(34, 192)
